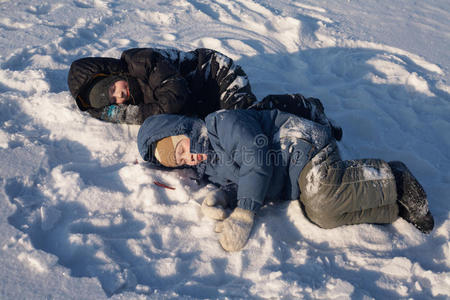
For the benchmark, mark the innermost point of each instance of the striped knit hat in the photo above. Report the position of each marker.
(165, 150)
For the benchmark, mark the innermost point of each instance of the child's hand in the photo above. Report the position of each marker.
(214, 205)
(235, 230)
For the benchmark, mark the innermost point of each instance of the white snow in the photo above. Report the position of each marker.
(80, 216)
(371, 173)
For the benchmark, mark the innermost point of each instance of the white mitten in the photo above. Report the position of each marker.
(214, 205)
(235, 230)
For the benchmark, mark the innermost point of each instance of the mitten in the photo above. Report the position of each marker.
(235, 230)
(214, 205)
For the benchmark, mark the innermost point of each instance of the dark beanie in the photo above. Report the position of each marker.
(98, 94)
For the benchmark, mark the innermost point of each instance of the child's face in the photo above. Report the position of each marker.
(119, 92)
(183, 155)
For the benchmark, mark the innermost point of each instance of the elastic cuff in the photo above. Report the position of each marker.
(248, 204)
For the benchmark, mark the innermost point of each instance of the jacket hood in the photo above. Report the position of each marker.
(160, 126)
(85, 70)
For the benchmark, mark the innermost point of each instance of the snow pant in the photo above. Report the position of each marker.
(336, 192)
(297, 104)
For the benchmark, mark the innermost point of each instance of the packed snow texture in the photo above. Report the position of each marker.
(81, 217)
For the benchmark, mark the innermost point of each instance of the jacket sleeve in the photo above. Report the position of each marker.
(234, 87)
(167, 89)
(240, 141)
(170, 90)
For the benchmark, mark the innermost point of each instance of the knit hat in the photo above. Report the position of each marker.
(165, 150)
(98, 94)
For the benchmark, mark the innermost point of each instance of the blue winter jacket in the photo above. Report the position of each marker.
(260, 152)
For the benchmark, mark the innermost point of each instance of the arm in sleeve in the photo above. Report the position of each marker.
(169, 89)
(236, 137)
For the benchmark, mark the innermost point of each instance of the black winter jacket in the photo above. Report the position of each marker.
(167, 81)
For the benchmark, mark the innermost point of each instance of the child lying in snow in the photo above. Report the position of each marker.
(270, 155)
(151, 81)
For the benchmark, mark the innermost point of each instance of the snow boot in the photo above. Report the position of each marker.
(336, 131)
(412, 200)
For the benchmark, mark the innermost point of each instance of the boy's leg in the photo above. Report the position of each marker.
(378, 215)
(336, 192)
(307, 108)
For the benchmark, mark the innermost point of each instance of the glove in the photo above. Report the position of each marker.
(235, 230)
(214, 205)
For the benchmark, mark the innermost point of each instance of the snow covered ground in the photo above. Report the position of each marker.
(80, 217)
